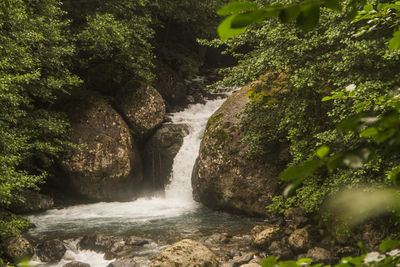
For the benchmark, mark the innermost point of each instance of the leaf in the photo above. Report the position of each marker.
(349, 124)
(394, 175)
(327, 98)
(243, 20)
(333, 4)
(385, 135)
(269, 262)
(394, 43)
(368, 8)
(369, 132)
(335, 161)
(237, 7)
(309, 17)
(362, 247)
(225, 31)
(289, 13)
(389, 244)
(287, 264)
(308, 261)
(300, 171)
(291, 188)
(322, 152)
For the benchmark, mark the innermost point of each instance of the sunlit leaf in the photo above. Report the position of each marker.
(307, 261)
(389, 244)
(225, 31)
(322, 152)
(394, 43)
(237, 7)
(243, 20)
(269, 262)
(371, 131)
(287, 264)
(368, 8)
(300, 171)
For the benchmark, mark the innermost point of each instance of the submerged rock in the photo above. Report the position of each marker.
(186, 253)
(222, 179)
(32, 201)
(160, 151)
(51, 250)
(76, 264)
(107, 165)
(143, 108)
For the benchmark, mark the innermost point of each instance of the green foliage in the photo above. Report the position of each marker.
(351, 74)
(33, 72)
(386, 258)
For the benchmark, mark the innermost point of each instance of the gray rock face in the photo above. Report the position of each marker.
(143, 108)
(186, 253)
(18, 248)
(51, 250)
(160, 152)
(221, 178)
(33, 201)
(107, 166)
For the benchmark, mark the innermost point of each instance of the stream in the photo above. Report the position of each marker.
(163, 220)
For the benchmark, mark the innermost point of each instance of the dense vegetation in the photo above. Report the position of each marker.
(349, 66)
(52, 49)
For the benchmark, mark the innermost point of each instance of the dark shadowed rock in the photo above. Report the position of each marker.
(51, 250)
(186, 253)
(160, 152)
(143, 108)
(295, 218)
(221, 178)
(99, 243)
(76, 264)
(107, 166)
(282, 249)
(18, 248)
(32, 201)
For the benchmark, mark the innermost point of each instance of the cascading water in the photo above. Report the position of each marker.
(162, 219)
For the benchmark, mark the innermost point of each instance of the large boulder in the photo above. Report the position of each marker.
(107, 165)
(143, 108)
(186, 253)
(51, 250)
(31, 201)
(159, 153)
(222, 179)
(18, 248)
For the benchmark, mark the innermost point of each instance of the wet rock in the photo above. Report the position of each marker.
(252, 264)
(296, 218)
(136, 241)
(76, 264)
(279, 248)
(160, 151)
(239, 260)
(123, 263)
(186, 253)
(300, 240)
(143, 108)
(170, 85)
(218, 238)
(51, 250)
(319, 255)
(99, 243)
(18, 248)
(32, 201)
(107, 166)
(222, 179)
(263, 238)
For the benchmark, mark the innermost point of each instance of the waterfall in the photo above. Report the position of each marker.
(176, 202)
